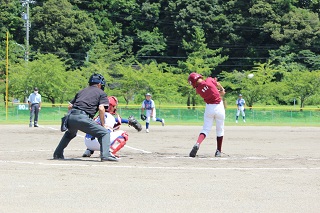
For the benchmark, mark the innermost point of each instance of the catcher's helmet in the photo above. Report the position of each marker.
(113, 103)
(96, 78)
(193, 78)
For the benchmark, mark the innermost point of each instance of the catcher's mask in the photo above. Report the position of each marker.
(113, 103)
(193, 78)
(97, 79)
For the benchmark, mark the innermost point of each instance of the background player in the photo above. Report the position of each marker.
(118, 138)
(150, 108)
(240, 108)
(211, 91)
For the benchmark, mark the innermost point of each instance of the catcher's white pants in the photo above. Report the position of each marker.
(214, 112)
(148, 114)
(94, 144)
(241, 109)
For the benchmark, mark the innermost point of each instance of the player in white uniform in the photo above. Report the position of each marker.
(211, 91)
(118, 138)
(150, 108)
(240, 108)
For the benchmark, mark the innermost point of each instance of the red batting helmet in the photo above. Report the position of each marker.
(193, 78)
(113, 102)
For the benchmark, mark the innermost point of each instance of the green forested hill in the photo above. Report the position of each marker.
(149, 39)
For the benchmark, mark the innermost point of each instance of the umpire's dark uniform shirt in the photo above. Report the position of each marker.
(89, 100)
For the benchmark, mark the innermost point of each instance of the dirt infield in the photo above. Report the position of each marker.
(263, 169)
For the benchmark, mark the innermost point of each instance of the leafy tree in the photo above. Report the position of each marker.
(310, 59)
(205, 14)
(201, 59)
(285, 58)
(301, 85)
(260, 88)
(108, 53)
(47, 72)
(299, 26)
(162, 84)
(11, 20)
(152, 44)
(61, 29)
(112, 18)
(129, 84)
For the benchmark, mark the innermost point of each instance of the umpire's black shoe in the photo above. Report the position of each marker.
(58, 157)
(194, 151)
(111, 157)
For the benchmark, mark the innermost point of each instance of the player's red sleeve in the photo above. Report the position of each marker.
(213, 80)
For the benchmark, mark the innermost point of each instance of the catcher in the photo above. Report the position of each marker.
(118, 138)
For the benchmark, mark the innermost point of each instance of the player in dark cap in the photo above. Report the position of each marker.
(83, 107)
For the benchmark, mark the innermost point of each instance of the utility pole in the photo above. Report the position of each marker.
(25, 17)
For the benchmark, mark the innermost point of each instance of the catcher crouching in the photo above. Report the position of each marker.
(118, 138)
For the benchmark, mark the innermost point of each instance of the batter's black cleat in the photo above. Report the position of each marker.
(58, 157)
(217, 154)
(194, 150)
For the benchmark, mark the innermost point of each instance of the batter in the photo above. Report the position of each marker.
(211, 91)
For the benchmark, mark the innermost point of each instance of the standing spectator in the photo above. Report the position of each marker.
(86, 103)
(34, 102)
(149, 106)
(240, 108)
(211, 91)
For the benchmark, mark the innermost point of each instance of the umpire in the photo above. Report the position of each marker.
(84, 106)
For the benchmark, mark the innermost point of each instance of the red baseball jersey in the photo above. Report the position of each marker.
(207, 89)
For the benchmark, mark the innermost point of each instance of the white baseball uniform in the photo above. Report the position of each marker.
(110, 121)
(150, 108)
(240, 103)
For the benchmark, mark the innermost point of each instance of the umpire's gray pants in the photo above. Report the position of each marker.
(78, 121)
(34, 112)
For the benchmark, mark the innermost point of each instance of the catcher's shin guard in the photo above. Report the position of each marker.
(119, 142)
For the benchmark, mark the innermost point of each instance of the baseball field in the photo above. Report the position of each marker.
(263, 169)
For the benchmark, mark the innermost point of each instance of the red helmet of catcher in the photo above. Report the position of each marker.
(193, 78)
(113, 103)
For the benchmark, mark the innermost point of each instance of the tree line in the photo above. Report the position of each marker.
(152, 46)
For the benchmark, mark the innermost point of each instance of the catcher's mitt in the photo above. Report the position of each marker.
(134, 123)
(143, 117)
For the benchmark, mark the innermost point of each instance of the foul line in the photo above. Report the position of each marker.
(107, 165)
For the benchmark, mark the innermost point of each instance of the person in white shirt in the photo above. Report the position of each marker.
(34, 102)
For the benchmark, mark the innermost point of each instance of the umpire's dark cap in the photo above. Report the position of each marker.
(97, 79)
